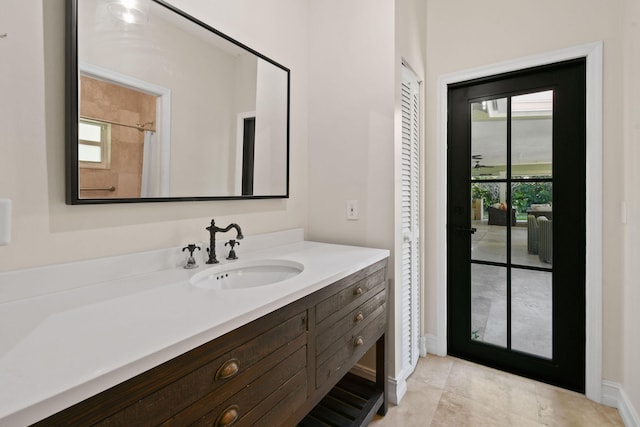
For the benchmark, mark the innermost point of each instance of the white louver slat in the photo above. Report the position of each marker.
(410, 221)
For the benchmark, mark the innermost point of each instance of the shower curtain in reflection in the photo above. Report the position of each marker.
(150, 166)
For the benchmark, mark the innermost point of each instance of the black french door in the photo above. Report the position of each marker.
(516, 222)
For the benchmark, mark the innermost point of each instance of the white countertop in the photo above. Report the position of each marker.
(59, 348)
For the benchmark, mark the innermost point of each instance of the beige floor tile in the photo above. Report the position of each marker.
(433, 370)
(559, 407)
(612, 414)
(492, 388)
(416, 409)
(457, 410)
(446, 391)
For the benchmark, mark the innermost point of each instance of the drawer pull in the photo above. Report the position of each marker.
(359, 317)
(358, 342)
(228, 416)
(357, 291)
(228, 369)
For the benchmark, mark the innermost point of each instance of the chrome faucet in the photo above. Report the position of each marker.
(213, 229)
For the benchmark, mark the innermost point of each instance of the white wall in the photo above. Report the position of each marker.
(351, 95)
(631, 137)
(466, 34)
(45, 230)
(352, 114)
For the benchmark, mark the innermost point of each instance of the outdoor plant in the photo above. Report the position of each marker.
(489, 192)
(524, 194)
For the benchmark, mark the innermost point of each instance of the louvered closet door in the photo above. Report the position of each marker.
(410, 220)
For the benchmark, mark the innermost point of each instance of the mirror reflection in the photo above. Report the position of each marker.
(169, 108)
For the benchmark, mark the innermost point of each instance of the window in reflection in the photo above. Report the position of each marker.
(126, 119)
(94, 144)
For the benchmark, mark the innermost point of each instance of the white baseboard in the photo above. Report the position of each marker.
(364, 372)
(396, 388)
(422, 346)
(614, 395)
(432, 345)
(610, 394)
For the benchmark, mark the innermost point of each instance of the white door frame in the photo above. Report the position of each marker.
(593, 52)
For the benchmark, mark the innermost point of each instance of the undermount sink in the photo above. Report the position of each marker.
(246, 274)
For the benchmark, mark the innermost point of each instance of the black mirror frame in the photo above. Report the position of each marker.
(72, 114)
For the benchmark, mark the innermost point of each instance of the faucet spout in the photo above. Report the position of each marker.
(213, 229)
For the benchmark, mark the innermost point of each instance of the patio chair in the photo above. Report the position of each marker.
(499, 216)
(545, 239)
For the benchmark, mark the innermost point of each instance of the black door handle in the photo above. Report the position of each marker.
(471, 230)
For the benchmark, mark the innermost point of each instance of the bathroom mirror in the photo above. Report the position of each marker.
(162, 107)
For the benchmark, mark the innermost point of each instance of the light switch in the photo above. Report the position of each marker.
(5, 221)
(352, 210)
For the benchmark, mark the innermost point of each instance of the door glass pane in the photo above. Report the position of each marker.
(489, 304)
(489, 139)
(531, 135)
(532, 239)
(532, 312)
(489, 217)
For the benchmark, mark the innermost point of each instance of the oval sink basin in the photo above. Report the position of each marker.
(246, 274)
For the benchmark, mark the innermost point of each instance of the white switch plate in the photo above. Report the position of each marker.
(352, 210)
(5, 221)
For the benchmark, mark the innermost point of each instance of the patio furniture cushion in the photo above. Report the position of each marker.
(498, 216)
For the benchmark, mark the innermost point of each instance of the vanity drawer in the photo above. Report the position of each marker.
(327, 336)
(352, 346)
(221, 366)
(233, 369)
(256, 400)
(348, 297)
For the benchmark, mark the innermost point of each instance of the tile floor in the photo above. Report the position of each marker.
(446, 391)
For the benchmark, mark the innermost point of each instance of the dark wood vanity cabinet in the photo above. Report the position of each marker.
(286, 368)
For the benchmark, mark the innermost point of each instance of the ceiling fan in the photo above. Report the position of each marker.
(476, 158)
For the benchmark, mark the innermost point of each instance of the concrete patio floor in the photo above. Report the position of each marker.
(531, 292)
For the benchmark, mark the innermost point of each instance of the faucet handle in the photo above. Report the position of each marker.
(191, 262)
(191, 247)
(232, 253)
